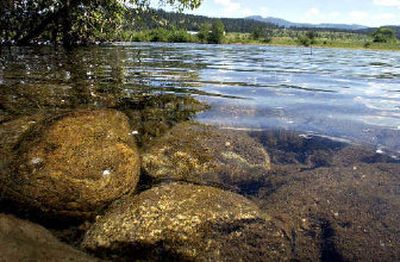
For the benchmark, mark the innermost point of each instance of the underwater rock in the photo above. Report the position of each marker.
(340, 213)
(182, 221)
(24, 241)
(153, 115)
(25, 99)
(74, 164)
(206, 155)
(10, 133)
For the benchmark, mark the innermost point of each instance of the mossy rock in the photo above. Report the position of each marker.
(74, 164)
(10, 133)
(180, 221)
(207, 155)
(24, 241)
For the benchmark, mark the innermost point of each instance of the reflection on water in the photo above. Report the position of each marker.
(339, 93)
(329, 122)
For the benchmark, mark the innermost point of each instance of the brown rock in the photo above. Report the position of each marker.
(185, 222)
(206, 155)
(24, 241)
(75, 164)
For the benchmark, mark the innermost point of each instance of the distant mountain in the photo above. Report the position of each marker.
(284, 23)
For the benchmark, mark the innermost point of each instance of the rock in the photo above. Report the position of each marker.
(10, 133)
(24, 241)
(74, 164)
(206, 155)
(348, 213)
(153, 115)
(182, 221)
(25, 99)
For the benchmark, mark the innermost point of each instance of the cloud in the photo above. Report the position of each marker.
(230, 7)
(313, 12)
(358, 16)
(385, 17)
(389, 3)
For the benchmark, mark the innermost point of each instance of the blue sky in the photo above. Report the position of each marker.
(366, 12)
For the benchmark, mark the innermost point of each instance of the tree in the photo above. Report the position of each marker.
(263, 34)
(217, 33)
(308, 40)
(204, 32)
(69, 21)
(384, 35)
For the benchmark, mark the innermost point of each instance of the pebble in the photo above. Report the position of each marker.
(106, 172)
(36, 161)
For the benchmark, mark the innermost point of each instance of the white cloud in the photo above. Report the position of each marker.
(385, 17)
(230, 7)
(313, 12)
(389, 3)
(358, 16)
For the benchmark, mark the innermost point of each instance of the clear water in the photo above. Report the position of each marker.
(330, 122)
(346, 94)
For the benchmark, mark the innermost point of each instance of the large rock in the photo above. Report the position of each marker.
(24, 241)
(206, 155)
(185, 222)
(11, 132)
(75, 164)
(339, 213)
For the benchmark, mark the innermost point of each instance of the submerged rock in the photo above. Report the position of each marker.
(348, 213)
(183, 222)
(75, 164)
(23, 99)
(24, 241)
(206, 155)
(153, 115)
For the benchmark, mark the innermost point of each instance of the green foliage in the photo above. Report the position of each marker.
(262, 34)
(158, 35)
(384, 35)
(308, 39)
(70, 21)
(181, 36)
(216, 36)
(204, 32)
(189, 22)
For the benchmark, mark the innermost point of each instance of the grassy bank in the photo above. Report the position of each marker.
(289, 38)
(352, 41)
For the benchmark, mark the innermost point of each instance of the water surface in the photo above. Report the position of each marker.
(346, 94)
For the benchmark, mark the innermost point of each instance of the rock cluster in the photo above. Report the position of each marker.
(77, 163)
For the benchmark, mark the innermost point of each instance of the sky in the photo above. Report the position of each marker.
(364, 12)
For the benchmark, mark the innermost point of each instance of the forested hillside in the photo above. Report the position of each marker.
(159, 18)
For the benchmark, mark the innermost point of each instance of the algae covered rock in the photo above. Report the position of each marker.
(207, 155)
(10, 133)
(75, 164)
(24, 241)
(177, 220)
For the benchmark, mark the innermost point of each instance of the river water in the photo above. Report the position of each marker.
(346, 94)
(328, 119)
